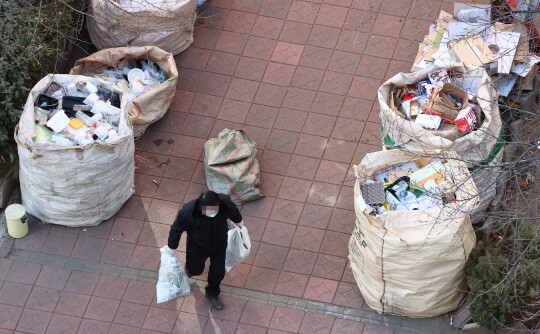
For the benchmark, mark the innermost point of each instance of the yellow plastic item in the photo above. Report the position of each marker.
(76, 123)
(16, 221)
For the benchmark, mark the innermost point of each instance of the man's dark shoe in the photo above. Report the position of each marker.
(188, 274)
(215, 301)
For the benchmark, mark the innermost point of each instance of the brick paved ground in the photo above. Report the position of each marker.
(301, 78)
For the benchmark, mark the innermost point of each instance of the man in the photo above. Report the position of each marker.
(205, 221)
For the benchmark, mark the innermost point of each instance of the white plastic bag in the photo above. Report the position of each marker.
(238, 246)
(172, 280)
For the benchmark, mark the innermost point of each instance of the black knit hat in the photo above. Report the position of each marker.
(208, 198)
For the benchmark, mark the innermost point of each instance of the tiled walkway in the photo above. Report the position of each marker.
(300, 78)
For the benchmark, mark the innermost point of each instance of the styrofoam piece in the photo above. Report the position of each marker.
(428, 121)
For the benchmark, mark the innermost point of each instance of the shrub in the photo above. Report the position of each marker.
(504, 277)
(32, 34)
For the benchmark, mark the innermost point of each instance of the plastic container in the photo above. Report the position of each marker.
(87, 120)
(97, 117)
(76, 123)
(90, 88)
(137, 88)
(101, 107)
(102, 132)
(113, 134)
(135, 75)
(91, 99)
(16, 221)
(58, 122)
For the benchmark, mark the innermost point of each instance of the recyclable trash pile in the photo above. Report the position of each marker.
(439, 170)
(135, 79)
(77, 113)
(413, 231)
(75, 144)
(435, 101)
(476, 35)
(147, 76)
(408, 187)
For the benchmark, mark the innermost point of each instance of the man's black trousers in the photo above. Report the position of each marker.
(195, 262)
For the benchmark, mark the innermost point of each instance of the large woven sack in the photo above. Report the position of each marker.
(74, 185)
(411, 263)
(153, 104)
(116, 23)
(479, 148)
(231, 167)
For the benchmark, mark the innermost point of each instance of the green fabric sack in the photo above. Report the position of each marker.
(231, 167)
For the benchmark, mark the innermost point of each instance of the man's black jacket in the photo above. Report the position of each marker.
(209, 233)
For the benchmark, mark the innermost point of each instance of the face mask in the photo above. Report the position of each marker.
(211, 213)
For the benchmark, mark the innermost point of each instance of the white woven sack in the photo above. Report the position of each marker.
(74, 185)
(412, 263)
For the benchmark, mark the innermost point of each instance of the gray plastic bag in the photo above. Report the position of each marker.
(231, 167)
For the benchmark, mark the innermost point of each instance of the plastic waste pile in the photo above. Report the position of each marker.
(78, 113)
(435, 100)
(135, 79)
(408, 186)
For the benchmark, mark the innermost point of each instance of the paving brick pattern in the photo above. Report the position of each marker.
(301, 77)
(82, 302)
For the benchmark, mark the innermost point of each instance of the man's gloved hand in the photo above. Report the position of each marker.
(169, 251)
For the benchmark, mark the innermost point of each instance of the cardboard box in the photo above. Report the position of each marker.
(465, 120)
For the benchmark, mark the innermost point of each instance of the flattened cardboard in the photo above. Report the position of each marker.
(527, 82)
(444, 18)
(522, 51)
(472, 51)
(433, 41)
